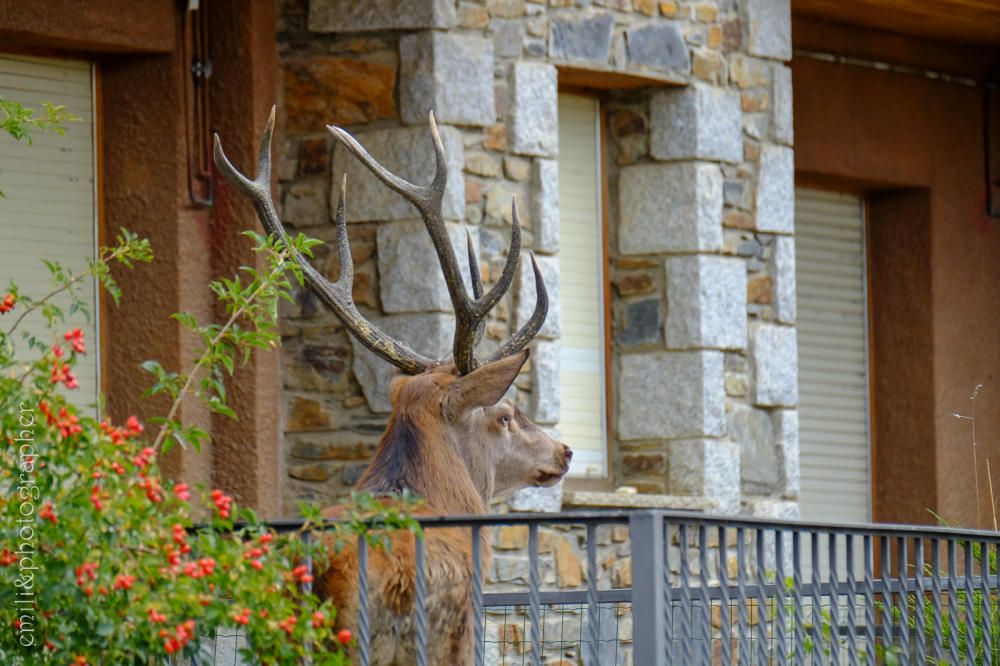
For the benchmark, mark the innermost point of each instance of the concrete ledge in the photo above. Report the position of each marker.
(586, 498)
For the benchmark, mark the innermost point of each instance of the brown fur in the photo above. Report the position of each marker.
(427, 449)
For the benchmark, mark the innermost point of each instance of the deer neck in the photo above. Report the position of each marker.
(416, 456)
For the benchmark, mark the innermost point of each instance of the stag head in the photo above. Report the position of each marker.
(499, 446)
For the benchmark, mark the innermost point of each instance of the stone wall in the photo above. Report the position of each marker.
(700, 176)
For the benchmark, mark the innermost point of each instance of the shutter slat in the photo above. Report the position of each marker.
(833, 437)
(581, 418)
(49, 209)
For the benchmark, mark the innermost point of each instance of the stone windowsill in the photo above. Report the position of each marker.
(585, 499)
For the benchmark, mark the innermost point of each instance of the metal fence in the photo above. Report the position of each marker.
(706, 590)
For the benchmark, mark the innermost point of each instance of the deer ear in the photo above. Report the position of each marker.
(483, 386)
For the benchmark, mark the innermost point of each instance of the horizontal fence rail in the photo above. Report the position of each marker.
(649, 588)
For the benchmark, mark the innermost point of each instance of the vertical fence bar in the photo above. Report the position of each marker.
(920, 619)
(706, 609)
(989, 621)
(817, 601)
(741, 588)
(726, 630)
(799, 653)
(650, 568)
(936, 600)
(763, 649)
(421, 602)
(685, 628)
(869, 546)
(887, 619)
(953, 641)
(535, 598)
(364, 637)
(781, 616)
(904, 598)
(593, 632)
(970, 612)
(663, 537)
(852, 602)
(477, 592)
(831, 546)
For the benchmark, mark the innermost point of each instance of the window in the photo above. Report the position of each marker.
(581, 286)
(49, 211)
(833, 357)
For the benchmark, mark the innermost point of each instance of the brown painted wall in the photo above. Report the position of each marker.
(90, 25)
(915, 147)
(143, 164)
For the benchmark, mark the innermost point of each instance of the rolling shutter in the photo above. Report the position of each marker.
(581, 358)
(49, 210)
(833, 358)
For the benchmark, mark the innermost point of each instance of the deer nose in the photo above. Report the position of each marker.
(567, 454)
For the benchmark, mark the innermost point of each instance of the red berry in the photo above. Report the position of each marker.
(344, 636)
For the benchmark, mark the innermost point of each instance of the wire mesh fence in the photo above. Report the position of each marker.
(655, 588)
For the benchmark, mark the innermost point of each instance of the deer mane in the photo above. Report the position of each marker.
(414, 455)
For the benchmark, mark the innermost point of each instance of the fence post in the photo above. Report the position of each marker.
(646, 530)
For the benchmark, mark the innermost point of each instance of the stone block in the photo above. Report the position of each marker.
(658, 46)
(508, 38)
(776, 190)
(706, 302)
(449, 74)
(409, 153)
(753, 430)
(534, 124)
(696, 122)
(569, 570)
(774, 366)
(769, 28)
(781, 93)
(538, 500)
(305, 203)
(411, 276)
(584, 37)
(666, 395)
(545, 392)
(340, 445)
(707, 468)
(786, 442)
(545, 205)
(330, 90)
(674, 207)
(428, 333)
(642, 323)
(372, 15)
(308, 415)
(783, 276)
(525, 289)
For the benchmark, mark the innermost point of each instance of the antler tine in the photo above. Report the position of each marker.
(336, 295)
(477, 283)
(343, 243)
(474, 275)
(526, 333)
(483, 305)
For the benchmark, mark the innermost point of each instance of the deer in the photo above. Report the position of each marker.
(452, 437)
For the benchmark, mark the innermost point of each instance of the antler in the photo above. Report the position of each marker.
(337, 295)
(470, 313)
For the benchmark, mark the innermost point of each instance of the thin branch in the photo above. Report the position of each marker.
(165, 428)
(90, 272)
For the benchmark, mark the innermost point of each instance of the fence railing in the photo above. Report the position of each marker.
(654, 587)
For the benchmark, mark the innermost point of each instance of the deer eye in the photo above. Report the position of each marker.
(504, 421)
